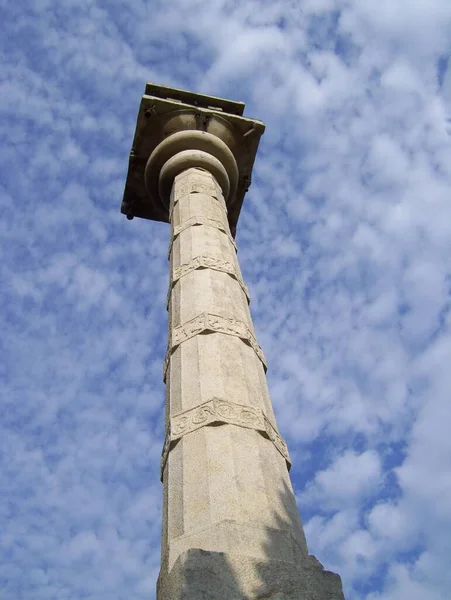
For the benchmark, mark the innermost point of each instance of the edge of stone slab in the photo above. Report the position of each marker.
(205, 575)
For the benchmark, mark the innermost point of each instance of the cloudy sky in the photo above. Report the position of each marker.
(344, 242)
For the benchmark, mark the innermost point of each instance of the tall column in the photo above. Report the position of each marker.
(224, 466)
(231, 528)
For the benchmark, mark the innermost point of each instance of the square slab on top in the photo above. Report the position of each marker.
(164, 111)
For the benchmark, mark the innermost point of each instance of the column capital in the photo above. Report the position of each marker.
(222, 140)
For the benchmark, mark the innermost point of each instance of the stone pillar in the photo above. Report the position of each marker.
(227, 490)
(231, 528)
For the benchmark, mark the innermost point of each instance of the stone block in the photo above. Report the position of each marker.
(205, 575)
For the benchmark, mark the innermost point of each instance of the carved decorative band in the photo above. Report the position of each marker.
(207, 323)
(208, 262)
(218, 411)
(213, 411)
(194, 221)
(198, 185)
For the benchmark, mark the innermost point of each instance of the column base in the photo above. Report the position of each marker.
(204, 575)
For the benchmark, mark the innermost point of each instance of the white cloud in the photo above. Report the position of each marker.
(347, 481)
(343, 241)
(406, 583)
(387, 520)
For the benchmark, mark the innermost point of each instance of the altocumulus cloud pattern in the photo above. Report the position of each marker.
(345, 245)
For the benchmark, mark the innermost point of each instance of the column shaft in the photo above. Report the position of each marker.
(224, 467)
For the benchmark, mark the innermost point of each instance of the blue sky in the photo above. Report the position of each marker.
(344, 242)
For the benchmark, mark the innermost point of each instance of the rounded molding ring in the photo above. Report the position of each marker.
(189, 140)
(186, 159)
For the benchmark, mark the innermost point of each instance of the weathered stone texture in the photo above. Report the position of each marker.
(231, 528)
(203, 575)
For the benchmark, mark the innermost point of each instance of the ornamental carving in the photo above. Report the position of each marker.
(197, 185)
(178, 427)
(196, 221)
(166, 448)
(208, 262)
(203, 415)
(208, 323)
(276, 438)
(189, 329)
(219, 411)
